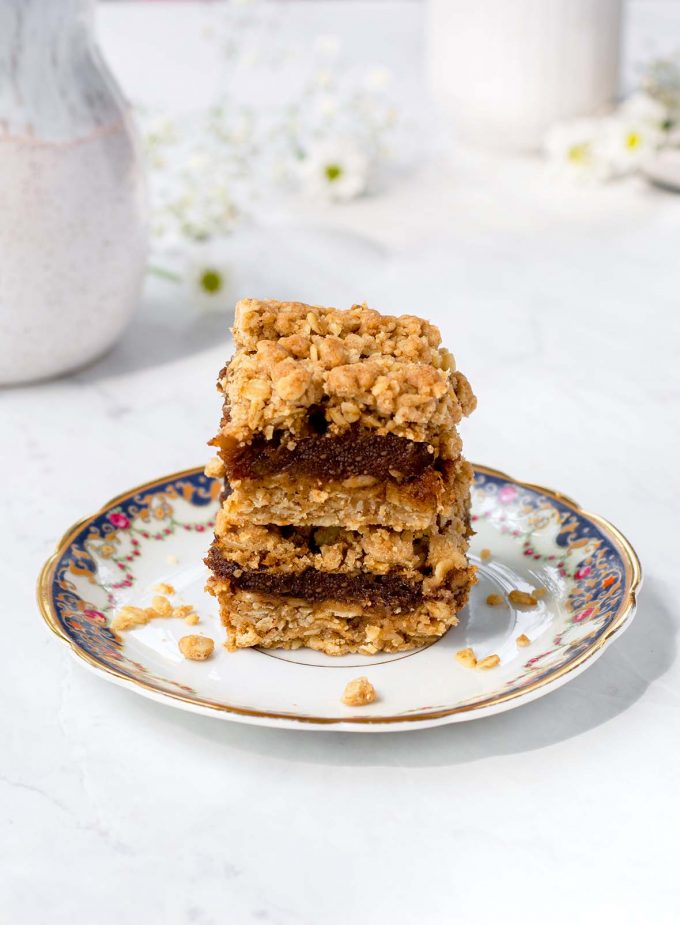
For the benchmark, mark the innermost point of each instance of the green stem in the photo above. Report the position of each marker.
(163, 273)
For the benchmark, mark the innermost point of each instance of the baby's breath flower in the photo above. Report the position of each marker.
(662, 83)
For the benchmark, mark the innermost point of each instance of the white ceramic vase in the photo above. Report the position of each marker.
(505, 70)
(73, 235)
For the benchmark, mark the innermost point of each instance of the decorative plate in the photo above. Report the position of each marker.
(159, 532)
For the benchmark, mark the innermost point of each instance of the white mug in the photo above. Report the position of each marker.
(505, 70)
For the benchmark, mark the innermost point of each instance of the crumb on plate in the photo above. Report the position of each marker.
(161, 605)
(164, 588)
(128, 617)
(523, 598)
(485, 555)
(489, 662)
(171, 559)
(196, 648)
(467, 657)
(359, 693)
(494, 600)
(538, 593)
(523, 640)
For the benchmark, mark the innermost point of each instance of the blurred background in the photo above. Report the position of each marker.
(507, 168)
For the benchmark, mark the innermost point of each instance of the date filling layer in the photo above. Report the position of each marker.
(328, 457)
(392, 591)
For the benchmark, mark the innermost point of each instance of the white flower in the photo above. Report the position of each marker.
(575, 150)
(335, 169)
(628, 143)
(194, 200)
(159, 133)
(209, 278)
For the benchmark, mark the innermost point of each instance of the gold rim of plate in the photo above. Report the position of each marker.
(633, 577)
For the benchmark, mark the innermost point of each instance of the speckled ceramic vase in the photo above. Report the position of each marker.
(73, 236)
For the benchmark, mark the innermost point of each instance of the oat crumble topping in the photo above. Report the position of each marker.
(257, 320)
(389, 373)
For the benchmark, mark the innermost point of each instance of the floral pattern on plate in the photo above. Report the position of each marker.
(538, 538)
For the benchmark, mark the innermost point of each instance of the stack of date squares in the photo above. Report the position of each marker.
(344, 522)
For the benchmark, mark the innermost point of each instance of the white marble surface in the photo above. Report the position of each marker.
(562, 308)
